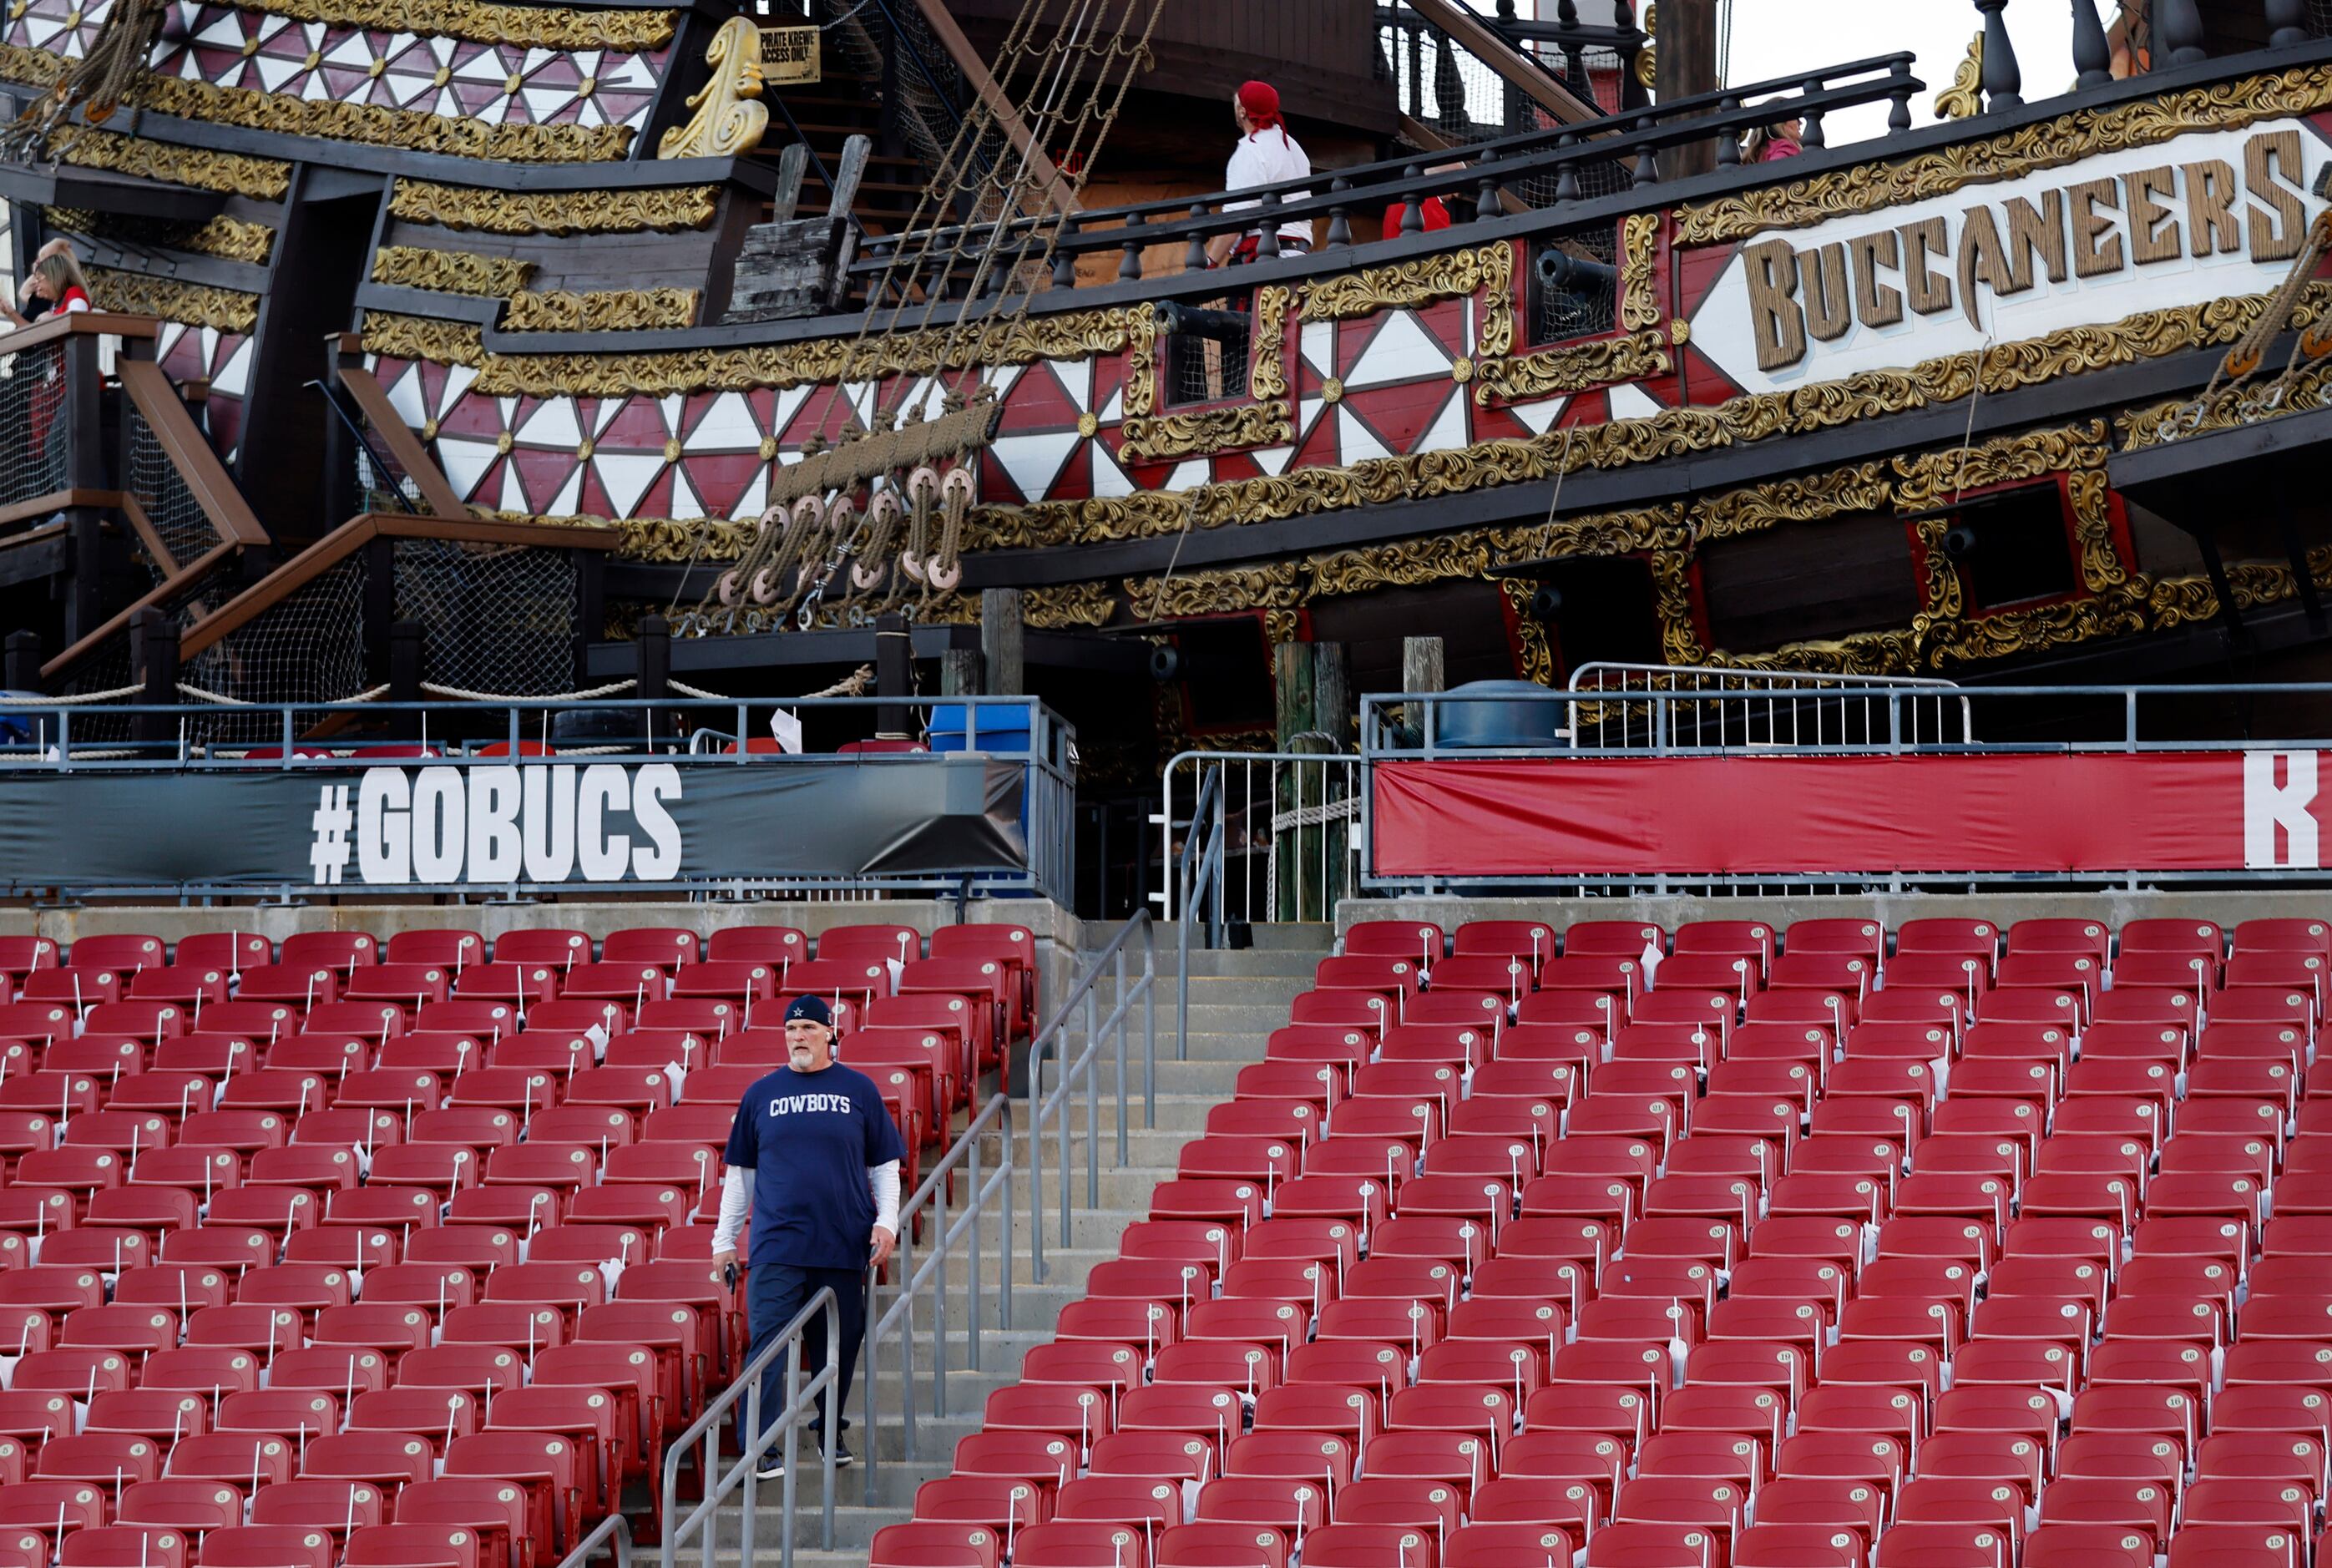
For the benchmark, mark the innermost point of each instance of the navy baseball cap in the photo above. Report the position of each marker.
(814, 1009)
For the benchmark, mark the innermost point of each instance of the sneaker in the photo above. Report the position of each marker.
(813, 1441)
(842, 1458)
(772, 1469)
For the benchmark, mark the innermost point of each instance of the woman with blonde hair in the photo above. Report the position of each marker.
(1768, 143)
(57, 281)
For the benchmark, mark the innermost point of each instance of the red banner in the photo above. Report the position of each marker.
(1801, 814)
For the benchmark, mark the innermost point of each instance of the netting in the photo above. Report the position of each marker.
(382, 484)
(1462, 101)
(494, 618)
(1206, 369)
(1574, 284)
(33, 424)
(308, 648)
(895, 45)
(2319, 18)
(184, 529)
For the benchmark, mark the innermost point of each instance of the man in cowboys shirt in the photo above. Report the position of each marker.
(814, 1157)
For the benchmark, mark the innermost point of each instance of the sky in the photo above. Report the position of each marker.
(1772, 38)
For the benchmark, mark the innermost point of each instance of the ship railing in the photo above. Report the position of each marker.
(1562, 161)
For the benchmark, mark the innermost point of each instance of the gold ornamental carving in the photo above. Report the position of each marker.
(334, 120)
(1204, 432)
(1639, 293)
(1268, 344)
(1535, 657)
(1140, 362)
(602, 311)
(1071, 336)
(338, 121)
(1427, 281)
(237, 174)
(532, 26)
(397, 337)
(195, 304)
(1964, 99)
(230, 239)
(1496, 336)
(1543, 374)
(2050, 144)
(731, 119)
(595, 212)
(449, 271)
(233, 240)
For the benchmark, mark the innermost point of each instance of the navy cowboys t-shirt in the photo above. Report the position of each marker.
(808, 1139)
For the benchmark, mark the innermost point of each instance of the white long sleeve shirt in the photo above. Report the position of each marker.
(1266, 158)
(736, 1202)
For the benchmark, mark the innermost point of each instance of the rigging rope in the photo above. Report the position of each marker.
(1074, 90)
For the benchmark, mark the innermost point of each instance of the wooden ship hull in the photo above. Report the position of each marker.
(1882, 408)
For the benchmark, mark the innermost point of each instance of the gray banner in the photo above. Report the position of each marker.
(494, 825)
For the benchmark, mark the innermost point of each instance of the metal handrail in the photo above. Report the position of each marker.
(992, 1191)
(1052, 1039)
(703, 1520)
(614, 1533)
(1201, 879)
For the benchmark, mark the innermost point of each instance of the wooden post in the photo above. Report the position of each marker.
(1685, 54)
(83, 435)
(154, 659)
(959, 673)
(654, 649)
(1001, 635)
(1291, 674)
(895, 657)
(405, 655)
(1421, 664)
(23, 662)
(1333, 712)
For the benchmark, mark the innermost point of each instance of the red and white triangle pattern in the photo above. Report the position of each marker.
(223, 359)
(498, 84)
(1397, 392)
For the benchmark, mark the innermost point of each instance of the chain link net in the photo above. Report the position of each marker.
(1201, 369)
(1457, 96)
(1574, 283)
(494, 618)
(184, 529)
(33, 403)
(307, 648)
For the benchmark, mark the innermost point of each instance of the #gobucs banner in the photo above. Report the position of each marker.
(544, 825)
(1765, 815)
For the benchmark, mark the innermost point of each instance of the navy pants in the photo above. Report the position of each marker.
(774, 1293)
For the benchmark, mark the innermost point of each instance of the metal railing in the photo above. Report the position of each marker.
(1283, 850)
(1199, 880)
(702, 1525)
(1078, 1019)
(988, 1194)
(1734, 707)
(613, 1538)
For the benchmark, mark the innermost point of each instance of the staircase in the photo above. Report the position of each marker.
(828, 113)
(1237, 1000)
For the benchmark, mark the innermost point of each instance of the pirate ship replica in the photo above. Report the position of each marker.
(481, 344)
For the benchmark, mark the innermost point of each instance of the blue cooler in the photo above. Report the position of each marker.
(1003, 730)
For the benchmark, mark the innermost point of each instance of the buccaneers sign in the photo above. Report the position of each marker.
(2194, 218)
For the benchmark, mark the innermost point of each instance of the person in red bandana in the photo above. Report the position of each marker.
(1267, 154)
